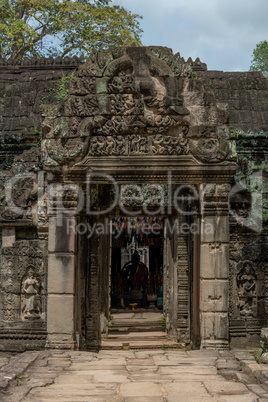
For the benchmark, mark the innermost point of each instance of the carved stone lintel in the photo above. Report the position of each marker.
(137, 145)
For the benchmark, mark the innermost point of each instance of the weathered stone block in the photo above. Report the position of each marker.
(221, 326)
(207, 325)
(60, 314)
(214, 326)
(61, 235)
(222, 229)
(214, 261)
(102, 85)
(214, 295)
(208, 229)
(8, 237)
(222, 261)
(215, 229)
(60, 341)
(60, 273)
(207, 261)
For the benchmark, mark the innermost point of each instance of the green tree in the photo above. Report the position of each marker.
(63, 27)
(260, 58)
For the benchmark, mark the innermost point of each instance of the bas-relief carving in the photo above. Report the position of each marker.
(30, 295)
(248, 282)
(23, 281)
(18, 195)
(145, 194)
(210, 149)
(246, 290)
(9, 307)
(127, 101)
(18, 188)
(138, 145)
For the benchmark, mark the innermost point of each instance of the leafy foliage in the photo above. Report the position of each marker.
(63, 89)
(260, 58)
(9, 161)
(32, 27)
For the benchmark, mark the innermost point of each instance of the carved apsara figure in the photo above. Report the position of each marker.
(246, 281)
(30, 295)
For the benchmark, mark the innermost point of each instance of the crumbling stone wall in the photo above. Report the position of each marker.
(244, 94)
(24, 88)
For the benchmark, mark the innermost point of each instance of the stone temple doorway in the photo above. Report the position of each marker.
(137, 263)
(179, 259)
(147, 292)
(135, 117)
(136, 300)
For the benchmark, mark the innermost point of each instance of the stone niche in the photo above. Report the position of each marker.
(23, 295)
(248, 291)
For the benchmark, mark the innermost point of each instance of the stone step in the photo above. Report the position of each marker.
(136, 345)
(135, 329)
(133, 339)
(136, 323)
(141, 340)
(16, 367)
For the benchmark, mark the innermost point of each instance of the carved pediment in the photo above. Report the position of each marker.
(126, 102)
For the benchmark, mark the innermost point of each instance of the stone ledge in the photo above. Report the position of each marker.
(254, 370)
(16, 367)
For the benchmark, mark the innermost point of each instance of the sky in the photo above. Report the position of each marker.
(222, 33)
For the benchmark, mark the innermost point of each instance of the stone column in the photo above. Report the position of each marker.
(61, 276)
(214, 266)
(170, 279)
(183, 285)
(93, 297)
(196, 283)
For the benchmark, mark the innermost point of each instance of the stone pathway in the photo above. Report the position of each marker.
(143, 376)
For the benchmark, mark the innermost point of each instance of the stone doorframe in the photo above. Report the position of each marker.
(64, 315)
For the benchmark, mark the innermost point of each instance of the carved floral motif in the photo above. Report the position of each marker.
(9, 307)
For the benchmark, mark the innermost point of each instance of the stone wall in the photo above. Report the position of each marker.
(24, 88)
(244, 94)
(245, 97)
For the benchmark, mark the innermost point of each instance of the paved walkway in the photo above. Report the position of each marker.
(134, 376)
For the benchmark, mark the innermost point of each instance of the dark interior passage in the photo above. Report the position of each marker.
(137, 263)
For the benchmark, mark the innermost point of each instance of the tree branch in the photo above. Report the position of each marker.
(28, 46)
